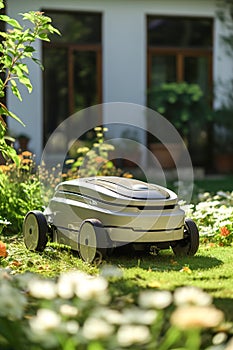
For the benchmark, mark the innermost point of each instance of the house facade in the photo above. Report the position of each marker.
(114, 51)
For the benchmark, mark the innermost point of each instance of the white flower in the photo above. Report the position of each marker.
(82, 285)
(93, 288)
(229, 345)
(111, 271)
(95, 328)
(139, 316)
(191, 295)
(155, 299)
(72, 327)
(42, 289)
(44, 321)
(12, 302)
(113, 316)
(219, 338)
(192, 316)
(131, 315)
(128, 335)
(68, 310)
(67, 283)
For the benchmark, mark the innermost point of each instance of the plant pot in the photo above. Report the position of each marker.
(166, 159)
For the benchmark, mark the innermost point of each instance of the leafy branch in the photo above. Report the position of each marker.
(16, 48)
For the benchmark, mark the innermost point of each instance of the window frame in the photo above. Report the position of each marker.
(179, 52)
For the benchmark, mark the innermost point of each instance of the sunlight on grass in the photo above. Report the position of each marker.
(210, 269)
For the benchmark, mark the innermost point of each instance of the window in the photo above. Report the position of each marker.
(73, 64)
(180, 50)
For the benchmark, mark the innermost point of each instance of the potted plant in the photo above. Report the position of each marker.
(184, 105)
(223, 140)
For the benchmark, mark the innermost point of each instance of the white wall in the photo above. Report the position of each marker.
(124, 52)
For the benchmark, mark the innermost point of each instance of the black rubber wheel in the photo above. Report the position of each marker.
(35, 231)
(190, 244)
(93, 239)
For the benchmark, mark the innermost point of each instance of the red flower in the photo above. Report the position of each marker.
(224, 231)
(3, 252)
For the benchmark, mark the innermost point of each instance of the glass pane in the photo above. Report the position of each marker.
(61, 58)
(181, 32)
(55, 89)
(196, 71)
(163, 69)
(78, 28)
(85, 79)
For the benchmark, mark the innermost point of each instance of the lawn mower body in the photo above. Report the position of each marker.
(105, 212)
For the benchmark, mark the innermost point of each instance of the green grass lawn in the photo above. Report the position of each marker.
(216, 183)
(210, 269)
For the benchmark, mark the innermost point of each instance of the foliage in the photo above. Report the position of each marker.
(3, 223)
(225, 14)
(214, 215)
(78, 311)
(180, 103)
(94, 160)
(19, 191)
(24, 187)
(16, 48)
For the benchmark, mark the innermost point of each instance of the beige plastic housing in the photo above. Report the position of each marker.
(130, 210)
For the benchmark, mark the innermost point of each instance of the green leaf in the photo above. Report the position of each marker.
(4, 110)
(109, 165)
(15, 89)
(29, 49)
(38, 62)
(23, 79)
(7, 61)
(23, 67)
(95, 345)
(11, 21)
(43, 36)
(51, 29)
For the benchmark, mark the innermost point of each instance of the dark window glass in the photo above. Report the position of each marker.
(78, 28)
(196, 72)
(182, 32)
(163, 69)
(72, 61)
(85, 79)
(55, 88)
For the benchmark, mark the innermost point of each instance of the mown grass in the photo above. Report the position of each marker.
(210, 269)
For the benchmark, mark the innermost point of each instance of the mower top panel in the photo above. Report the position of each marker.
(111, 188)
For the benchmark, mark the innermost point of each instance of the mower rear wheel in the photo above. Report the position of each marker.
(189, 245)
(93, 240)
(35, 231)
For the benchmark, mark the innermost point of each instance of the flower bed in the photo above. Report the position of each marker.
(214, 216)
(77, 311)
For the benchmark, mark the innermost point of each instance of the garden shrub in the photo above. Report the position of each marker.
(19, 186)
(20, 191)
(93, 158)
